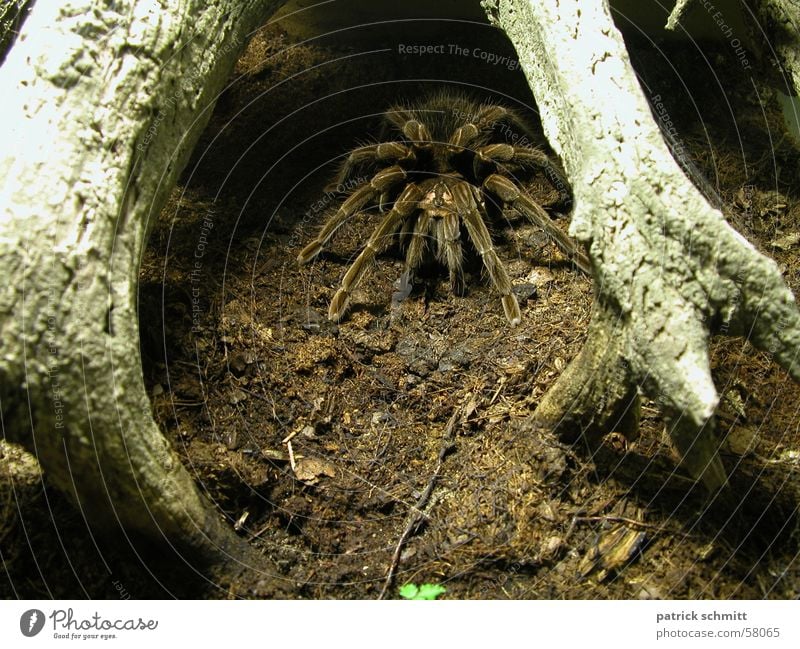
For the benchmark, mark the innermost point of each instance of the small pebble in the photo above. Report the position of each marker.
(525, 291)
(380, 417)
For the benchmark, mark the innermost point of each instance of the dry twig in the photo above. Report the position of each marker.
(418, 514)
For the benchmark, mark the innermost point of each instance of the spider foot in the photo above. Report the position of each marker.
(457, 284)
(309, 252)
(403, 286)
(511, 309)
(339, 304)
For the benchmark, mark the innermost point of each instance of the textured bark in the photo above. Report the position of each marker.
(103, 102)
(12, 16)
(775, 24)
(666, 264)
(678, 13)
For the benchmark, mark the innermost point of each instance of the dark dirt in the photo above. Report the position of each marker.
(431, 396)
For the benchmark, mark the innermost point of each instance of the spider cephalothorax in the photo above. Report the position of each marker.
(451, 163)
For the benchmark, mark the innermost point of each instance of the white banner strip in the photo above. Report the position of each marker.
(400, 624)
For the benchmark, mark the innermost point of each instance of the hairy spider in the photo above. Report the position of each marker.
(450, 164)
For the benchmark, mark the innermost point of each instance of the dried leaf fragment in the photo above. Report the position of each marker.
(613, 550)
(310, 469)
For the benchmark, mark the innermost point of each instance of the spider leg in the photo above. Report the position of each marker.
(380, 182)
(410, 126)
(526, 157)
(417, 132)
(418, 243)
(381, 152)
(448, 237)
(485, 119)
(403, 206)
(469, 211)
(509, 193)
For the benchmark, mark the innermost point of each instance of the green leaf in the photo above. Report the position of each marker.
(430, 591)
(425, 591)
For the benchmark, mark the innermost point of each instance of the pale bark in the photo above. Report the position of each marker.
(102, 104)
(666, 263)
(769, 28)
(775, 24)
(678, 13)
(12, 16)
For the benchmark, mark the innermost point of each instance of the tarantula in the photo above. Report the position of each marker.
(450, 164)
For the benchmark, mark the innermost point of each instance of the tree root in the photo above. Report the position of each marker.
(668, 268)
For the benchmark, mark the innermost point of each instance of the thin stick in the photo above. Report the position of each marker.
(417, 513)
(662, 528)
(618, 519)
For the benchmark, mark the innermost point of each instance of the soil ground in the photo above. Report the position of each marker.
(411, 447)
